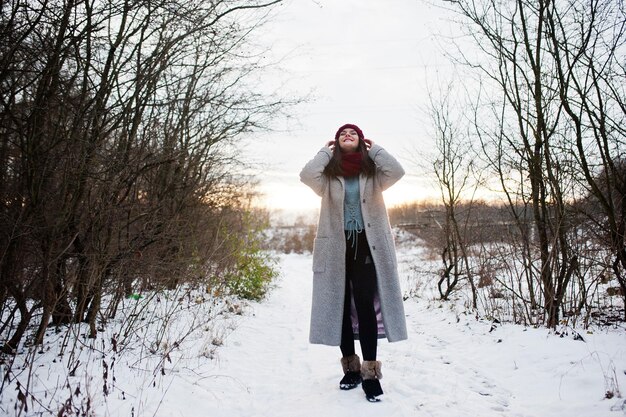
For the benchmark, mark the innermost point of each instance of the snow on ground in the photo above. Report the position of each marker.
(450, 366)
(261, 364)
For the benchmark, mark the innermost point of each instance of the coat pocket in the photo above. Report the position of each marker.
(391, 249)
(320, 254)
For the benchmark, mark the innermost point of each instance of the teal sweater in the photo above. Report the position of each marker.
(352, 217)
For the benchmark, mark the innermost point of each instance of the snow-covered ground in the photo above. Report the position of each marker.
(260, 364)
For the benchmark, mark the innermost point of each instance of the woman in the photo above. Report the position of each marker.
(356, 290)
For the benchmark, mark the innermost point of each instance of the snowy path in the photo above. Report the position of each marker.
(450, 366)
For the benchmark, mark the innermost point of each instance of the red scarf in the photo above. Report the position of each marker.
(351, 163)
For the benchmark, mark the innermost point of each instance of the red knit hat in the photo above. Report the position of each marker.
(350, 126)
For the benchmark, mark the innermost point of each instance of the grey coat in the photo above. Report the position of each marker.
(329, 248)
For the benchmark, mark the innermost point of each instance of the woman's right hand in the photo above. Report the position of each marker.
(331, 145)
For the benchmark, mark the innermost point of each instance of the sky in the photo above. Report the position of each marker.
(366, 62)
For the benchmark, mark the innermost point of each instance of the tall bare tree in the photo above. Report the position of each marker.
(454, 170)
(557, 66)
(117, 169)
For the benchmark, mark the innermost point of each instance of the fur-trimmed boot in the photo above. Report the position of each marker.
(351, 372)
(371, 373)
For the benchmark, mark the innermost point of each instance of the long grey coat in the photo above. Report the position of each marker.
(329, 269)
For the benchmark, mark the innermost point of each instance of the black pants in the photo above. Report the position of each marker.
(361, 284)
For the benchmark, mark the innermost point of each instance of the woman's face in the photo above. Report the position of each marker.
(348, 140)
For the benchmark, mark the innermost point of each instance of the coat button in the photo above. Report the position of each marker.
(364, 200)
(373, 247)
(369, 225)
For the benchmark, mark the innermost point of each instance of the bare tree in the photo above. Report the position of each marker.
(453, 169)
(118, 172)
(587, 45)
(554, 64)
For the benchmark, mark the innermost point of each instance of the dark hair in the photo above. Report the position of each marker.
(333, 169)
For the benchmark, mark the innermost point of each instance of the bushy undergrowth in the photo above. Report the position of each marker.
(159, 318)
(253, 269)
(503, 293)
(131, 359)
(293, 239)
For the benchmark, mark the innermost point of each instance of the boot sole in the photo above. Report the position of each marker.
(347, 387)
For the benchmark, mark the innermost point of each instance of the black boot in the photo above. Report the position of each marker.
(371, 373)
(352, 372)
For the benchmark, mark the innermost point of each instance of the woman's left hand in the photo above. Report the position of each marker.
(368, 143)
